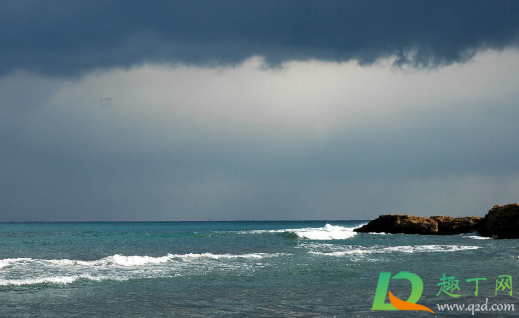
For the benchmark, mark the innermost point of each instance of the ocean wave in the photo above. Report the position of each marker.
(430, 248)
(114, 260)
(118, 260)
(475, 236)
(356, 250)
(38, 281)
(10, 261)
(57, 280)
(225, 256)
(327, 232)
(29, 271)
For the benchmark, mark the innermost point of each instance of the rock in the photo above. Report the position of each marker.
(501, 222)
(408, 224)
(398, 223)
(448, 225)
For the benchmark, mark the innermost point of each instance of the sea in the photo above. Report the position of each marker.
(249, 269)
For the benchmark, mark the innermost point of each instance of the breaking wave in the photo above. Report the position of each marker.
(133, 261)
(475, 236)
(10, 261)
(59, 280)
(327, 232)
(29, 271)
(358, 250)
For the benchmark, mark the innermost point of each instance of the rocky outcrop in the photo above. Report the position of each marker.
(448, 225)
(408, 224)
(400, 223)
(501, 222)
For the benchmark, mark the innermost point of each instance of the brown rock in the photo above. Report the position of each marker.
(398, 223)
(501, 222)
(448, 225)
(408, 224)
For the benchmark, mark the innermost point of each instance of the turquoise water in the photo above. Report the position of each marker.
(238, 269)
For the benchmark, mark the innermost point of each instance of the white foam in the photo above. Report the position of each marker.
(10, 261)
(342, 253)
(429, 248)
(29, 271)
(60, 280)
(475, 236)
(328, 232)
(223, 256)
(114, 260)
(118, 260)
(35, 281)
(137, 260)
(348, 250)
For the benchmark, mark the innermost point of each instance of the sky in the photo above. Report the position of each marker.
(257, 110)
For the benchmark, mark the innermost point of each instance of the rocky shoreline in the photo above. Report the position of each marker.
(501, 222)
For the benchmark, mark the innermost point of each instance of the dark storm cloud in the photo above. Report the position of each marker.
(67, 38)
